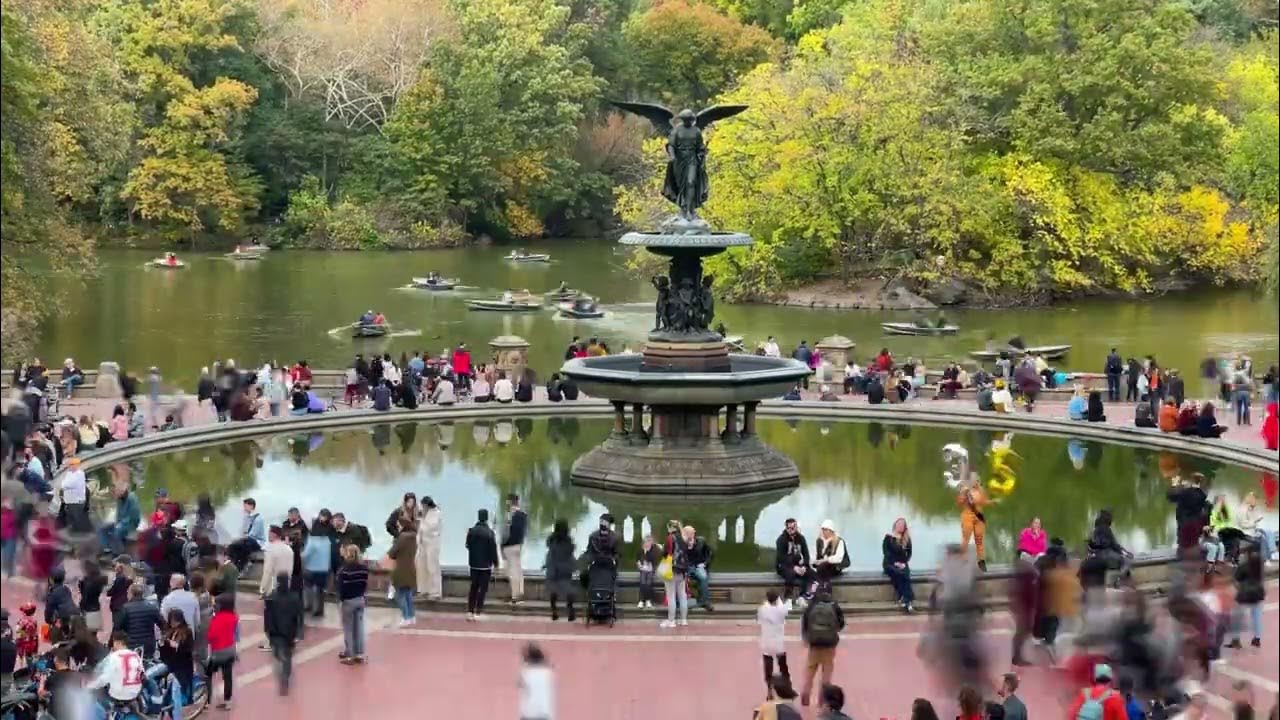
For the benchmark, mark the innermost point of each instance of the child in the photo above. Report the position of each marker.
(650, 556)
(537, 691)
(27, 636)
(772, 618)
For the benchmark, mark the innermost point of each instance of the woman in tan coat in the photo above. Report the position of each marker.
(427, 560)
(404, 576)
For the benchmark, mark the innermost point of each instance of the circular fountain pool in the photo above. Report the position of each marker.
(861, 475)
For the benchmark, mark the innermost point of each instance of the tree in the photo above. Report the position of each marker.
(684, 51)
(357, 57)
(487, 132)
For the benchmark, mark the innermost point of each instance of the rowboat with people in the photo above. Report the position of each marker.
(1016, 349)
(522, 256)
(511, 301)
(170, 261)
(581, 307)
(915, 328)
(246, 252)
(563, 293)
(370, 325)
(433, 281)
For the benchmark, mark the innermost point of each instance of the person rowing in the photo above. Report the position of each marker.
(170, 258)
(367, 318)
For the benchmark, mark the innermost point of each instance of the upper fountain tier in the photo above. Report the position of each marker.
(679, 235)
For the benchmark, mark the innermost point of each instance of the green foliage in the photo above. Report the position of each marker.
(684, 51)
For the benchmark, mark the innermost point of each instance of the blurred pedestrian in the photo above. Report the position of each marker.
(537, 686)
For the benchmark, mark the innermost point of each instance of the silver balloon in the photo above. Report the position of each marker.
(956, 457)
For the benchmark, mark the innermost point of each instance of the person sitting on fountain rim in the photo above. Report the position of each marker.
(699, 554)
(791, 561)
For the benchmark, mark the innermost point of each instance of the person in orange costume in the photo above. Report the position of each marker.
(972, 522)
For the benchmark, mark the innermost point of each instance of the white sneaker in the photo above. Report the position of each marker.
(684, 623)
(471, 617)
(479, 617)
(666, 624)
(648, 604)
(640, 605)
(790, 605)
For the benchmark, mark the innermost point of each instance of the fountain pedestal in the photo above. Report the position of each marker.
(684, 408)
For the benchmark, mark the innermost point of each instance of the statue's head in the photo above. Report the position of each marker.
(687, 117)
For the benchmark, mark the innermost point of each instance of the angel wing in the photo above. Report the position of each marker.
(718, 112)
(658, 115)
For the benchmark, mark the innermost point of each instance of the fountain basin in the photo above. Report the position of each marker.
(624, 378)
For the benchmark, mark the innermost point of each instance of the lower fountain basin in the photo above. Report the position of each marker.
(621, 378)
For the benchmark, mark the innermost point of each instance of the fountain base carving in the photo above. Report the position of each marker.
(686, 356)
(714, 468)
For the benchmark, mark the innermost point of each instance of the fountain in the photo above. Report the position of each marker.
(668, 434)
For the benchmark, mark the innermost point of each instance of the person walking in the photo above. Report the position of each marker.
(820, 628)
(482, 558)
(282, 620)
(404, 571)
(1249, 596)
(1101, 701)
(427, 558)
(352, 581)
(771, 616)
(896, 550)
(223, 630)
(512, 545)
(317, 557)
(560, 563)
(537, 686)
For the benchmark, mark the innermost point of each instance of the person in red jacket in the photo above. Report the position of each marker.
(223, 629)
(1271, 428)
(1101, 701)
(461, 362)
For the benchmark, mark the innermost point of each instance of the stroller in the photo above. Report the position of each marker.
(602, 590)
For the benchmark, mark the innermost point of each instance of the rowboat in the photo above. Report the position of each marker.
(245, 255)
(1048, 352)
(514, 256)
(909, 328)
(562, 294)
(735, 343)
(501, 306)
(435, 284)
(370, 331)
(166, 265)
(581, 308)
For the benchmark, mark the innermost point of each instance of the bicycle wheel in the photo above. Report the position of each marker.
(199, 697)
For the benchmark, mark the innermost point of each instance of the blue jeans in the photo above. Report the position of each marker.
(1255, 619)
(1266, 542)
(1113, 387)
(177, 696)
(700, 576)
(1214, 551)
(353, 626)
(70, 383)
(8, 555)
(404, 601)
(1242, 399)
(112, 536)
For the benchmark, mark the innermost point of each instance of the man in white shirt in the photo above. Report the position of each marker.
(503, 391)
(277, 559)
(771, 348)
(183, 600)
(75, 496)
(443, 394)
(1001, 398)
(121, 672)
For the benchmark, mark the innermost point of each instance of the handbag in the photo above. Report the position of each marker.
(665, 569)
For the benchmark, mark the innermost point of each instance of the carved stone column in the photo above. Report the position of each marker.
(637, 424)
(749, 419)
(730, 434)
(619, 418)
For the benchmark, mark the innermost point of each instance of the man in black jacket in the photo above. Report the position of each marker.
(139, 620)
(699, 554)
(1190, 511)
(482, 558)
(59, 603)
(282, 620)
(512, 545)
(348, 533)
(1114, 368)
(791, 560)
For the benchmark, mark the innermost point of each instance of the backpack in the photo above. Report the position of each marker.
(822, 626)
(190, 555)
(1091, 708)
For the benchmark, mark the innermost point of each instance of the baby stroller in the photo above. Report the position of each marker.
(602, 589)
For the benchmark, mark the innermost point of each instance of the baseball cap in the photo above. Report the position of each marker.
(1102, 671)
(161, 492)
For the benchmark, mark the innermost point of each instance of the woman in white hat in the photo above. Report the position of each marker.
(830, 554)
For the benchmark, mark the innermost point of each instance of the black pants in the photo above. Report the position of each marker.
(1113, 386)
(555, 611)
(479, 588)
(225, 667)
(768, 670)
(1131, 392)
(240, 550)
(282, 652)
(793, 584)
(1020, 634)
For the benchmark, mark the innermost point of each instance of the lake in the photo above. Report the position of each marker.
(283, 307)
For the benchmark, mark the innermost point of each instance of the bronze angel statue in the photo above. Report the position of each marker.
(685, 183)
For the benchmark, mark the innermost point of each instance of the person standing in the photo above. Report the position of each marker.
(1190, 511)
(352, 581)
(1114, 368)
(804, 355)
(1249, 596)
(537, 686)
(512, 544)
(973, 523)
(482, 558)
(771, 616)
(91, 586)
(676, 588)
(404, 571)
(282, 618)
(560, 564)
(75, 498)
(820, 628)
(277, 559)
(317, 557)
(1014, 708)
(427, 558)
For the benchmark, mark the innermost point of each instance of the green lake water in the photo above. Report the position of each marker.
(860, 475)
(283, 307)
